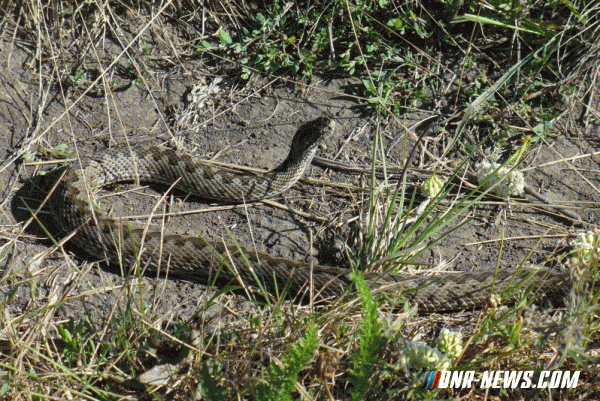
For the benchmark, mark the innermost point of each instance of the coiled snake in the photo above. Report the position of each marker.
(196, 259)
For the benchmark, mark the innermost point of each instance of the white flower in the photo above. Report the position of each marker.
(509, 182)
(432, 186)
(585, 244)
(450, 343)
(423, 356)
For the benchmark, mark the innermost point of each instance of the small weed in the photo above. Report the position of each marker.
(371, 342)
(210, 376)
(79, 345)
(281, 380)
(62, 151)
(29, 157)
(80, 78)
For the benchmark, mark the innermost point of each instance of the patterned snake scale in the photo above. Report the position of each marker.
(198, 260)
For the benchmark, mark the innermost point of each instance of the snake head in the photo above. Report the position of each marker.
(309, 136)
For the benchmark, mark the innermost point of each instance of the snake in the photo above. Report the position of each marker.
(135, 246)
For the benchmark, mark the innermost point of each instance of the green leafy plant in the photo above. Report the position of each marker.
(77, 337)
(79, 78)
(371, 341)
(281, 379)
(62, 151)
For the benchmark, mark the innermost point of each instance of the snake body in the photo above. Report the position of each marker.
(196, 259)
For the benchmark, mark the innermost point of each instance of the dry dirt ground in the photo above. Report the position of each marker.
(250, 127)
